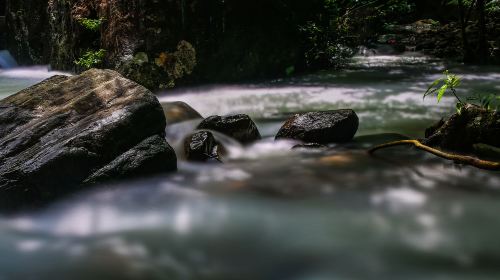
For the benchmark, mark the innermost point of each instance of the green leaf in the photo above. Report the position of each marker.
(459, 107)
(441, 92)
(432, 88)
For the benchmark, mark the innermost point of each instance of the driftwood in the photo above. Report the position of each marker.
(462, 159)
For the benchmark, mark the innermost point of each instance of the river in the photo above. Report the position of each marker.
(271, 212)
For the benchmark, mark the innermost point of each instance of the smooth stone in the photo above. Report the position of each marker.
(325, 127)
(239, 127)
(176, 112)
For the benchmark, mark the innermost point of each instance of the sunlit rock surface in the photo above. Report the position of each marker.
(58, 132)
(176, 112)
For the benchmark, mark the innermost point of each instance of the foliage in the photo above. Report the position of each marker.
(487, 101)
(177, 64)
(91, 59)
(91, 24)
(491, 5)
(449, 83)
(325, 47)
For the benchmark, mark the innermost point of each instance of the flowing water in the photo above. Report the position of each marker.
(270, 212)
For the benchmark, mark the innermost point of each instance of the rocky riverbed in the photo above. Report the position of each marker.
(271, 211)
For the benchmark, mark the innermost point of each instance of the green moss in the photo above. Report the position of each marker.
(91, 24)
(91, 59)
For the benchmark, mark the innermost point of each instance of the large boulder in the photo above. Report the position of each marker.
(59, 133)
(321, 127)
(239, 127)
(474, 125)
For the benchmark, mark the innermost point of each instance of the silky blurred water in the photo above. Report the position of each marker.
(270, 212)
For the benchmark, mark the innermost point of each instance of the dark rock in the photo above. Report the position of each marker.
(201, 146)
(56, 134)
(152, 156)
(26, 31)
(239, 127)
(321, 127)
(176, 112)
(309, 146)
(432, 129)
(474, 125)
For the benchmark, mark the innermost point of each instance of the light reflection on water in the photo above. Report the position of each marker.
(15, 79)
(271, 212)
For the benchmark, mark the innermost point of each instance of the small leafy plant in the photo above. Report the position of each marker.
(91, 24)
(91, 58)
(450, 82)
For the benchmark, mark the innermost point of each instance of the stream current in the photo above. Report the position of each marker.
(270, 212)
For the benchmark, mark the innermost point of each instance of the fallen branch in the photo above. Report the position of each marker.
(479, 163)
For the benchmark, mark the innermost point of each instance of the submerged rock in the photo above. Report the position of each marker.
(201, 146)
(176, 112)
(321, 127)
(240, 127)
(66, 130)
(474, 125)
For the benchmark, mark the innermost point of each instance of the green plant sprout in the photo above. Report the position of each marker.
(91, 24)
(91, 58)
(450, 82)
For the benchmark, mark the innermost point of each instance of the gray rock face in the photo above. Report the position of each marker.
(240, 127)
(56, 134)
(321, 127)
(201, 146)
(176, 112)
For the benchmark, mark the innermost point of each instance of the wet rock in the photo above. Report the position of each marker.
(308, 146)
(152, 156)
(59, 133)
(240, 127)
(201, 146)
(176, 112)
(474, 125)
(321, 127)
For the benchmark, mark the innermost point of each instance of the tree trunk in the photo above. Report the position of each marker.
(483, 44)
(463, 27)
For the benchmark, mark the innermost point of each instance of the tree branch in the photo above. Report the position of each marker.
(479, 163)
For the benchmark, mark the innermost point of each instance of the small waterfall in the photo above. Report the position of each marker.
(6, 60)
